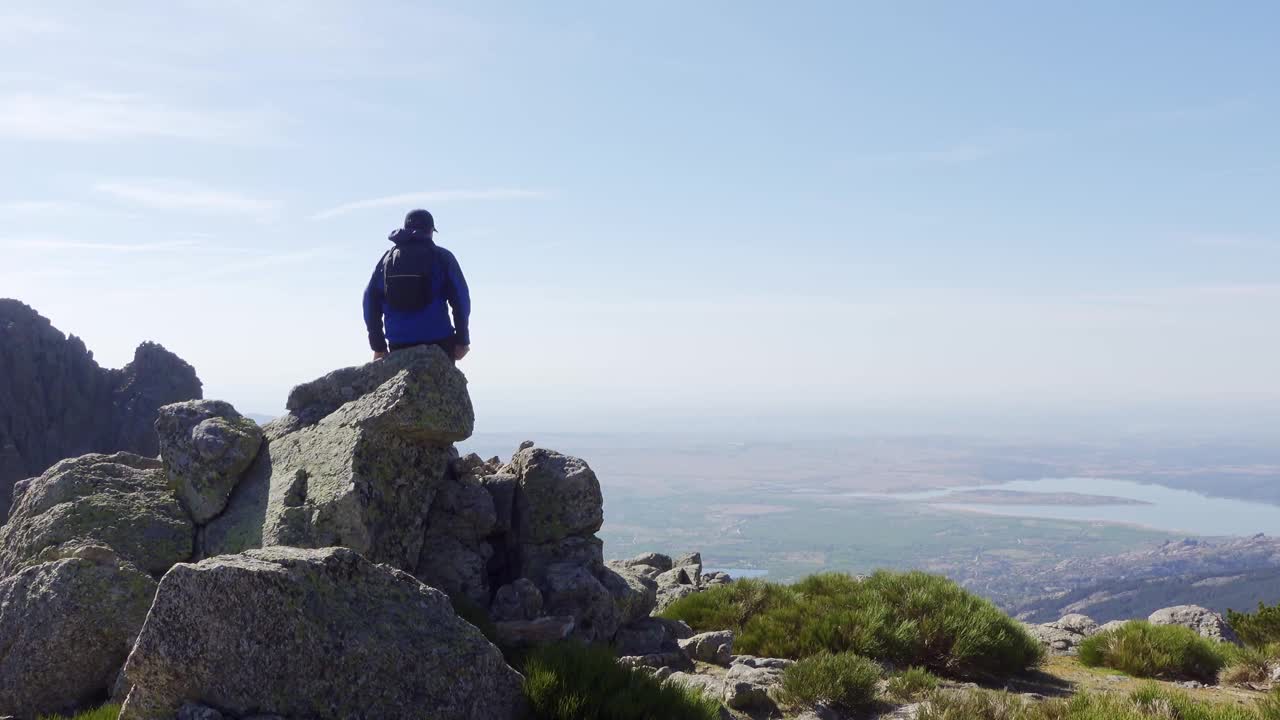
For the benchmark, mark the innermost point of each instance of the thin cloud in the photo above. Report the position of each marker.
(60, 244)
(99, 117)
(164, 194)
(429, 197)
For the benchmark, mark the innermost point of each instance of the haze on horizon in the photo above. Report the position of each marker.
(906, 216)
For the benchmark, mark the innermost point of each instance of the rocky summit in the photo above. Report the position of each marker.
(313, 568)
(56, 402)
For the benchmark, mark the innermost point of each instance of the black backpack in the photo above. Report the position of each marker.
(406, 276)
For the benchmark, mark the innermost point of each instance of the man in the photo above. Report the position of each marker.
(408, 292)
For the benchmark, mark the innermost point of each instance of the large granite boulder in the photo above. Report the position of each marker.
(66, 627)
(121, 501)
(56, 402)
(206, 446)
(358, 462)
(321, 634)
(1204, 621)
(428, 399)
(559, 496)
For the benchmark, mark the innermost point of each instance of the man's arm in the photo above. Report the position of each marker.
(460, 301)
(373, 313)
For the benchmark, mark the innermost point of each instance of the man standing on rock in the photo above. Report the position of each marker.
(409, 290)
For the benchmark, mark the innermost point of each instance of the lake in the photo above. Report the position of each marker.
(1168, 509)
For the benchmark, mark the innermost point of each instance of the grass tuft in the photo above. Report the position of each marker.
(903, 619)
(1166, 652)
(1149, 702)
(911, 685)
(570, 681)
(106, 712)
(844, 682)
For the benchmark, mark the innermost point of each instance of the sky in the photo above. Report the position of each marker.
(928, 216)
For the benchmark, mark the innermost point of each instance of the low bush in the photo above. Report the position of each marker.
(569, 681)
(843, 681)
(106, 712)
(1248, 665)
(904, 619)
(1168, 652)
(1146, 703)
(1259, 628)
(910, 685)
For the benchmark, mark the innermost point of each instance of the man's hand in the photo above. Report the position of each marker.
(379, 354)
(461, 351)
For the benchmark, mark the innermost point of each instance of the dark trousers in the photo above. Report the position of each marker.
(448, 345)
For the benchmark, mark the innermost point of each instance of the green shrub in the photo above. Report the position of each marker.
(843, 681)
(1169, 652)
(1257, 628)
(1146, 703)
(911, 684)
(905, 619)
(570, 681)
(1248, 665)
(106, 712)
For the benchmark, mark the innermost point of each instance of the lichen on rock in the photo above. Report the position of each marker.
(121, 501)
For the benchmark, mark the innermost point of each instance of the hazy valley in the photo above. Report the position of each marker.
(788, 509)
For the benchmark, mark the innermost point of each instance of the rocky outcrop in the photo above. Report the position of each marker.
(66, 626)
(292, 552)
(321, 634)
(710, 647)
(1063, 636)
(1204, 621)
(56, 402)
(120, 501)
(356, 462)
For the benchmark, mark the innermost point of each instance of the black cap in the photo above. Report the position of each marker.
(419, 220)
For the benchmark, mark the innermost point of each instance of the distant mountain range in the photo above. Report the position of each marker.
(1234, 573)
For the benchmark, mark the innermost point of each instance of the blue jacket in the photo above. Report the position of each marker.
(431, 324)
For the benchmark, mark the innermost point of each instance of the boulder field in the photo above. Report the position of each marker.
(315, 567)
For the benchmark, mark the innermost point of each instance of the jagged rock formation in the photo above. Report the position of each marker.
(56, 402)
